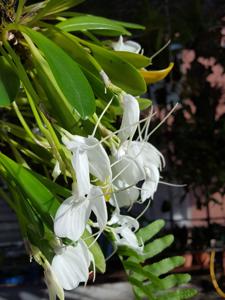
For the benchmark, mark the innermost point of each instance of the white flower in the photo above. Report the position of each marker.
(129, 46)
(53, 285)
(124, 232)
(134, 162)
(131, 115)
(72, 216)
(71, 265)
(89, 156)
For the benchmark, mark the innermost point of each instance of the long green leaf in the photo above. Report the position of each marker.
(67, 74)
(90, 22)
(9, 83)
(39, 196)
(137, 60)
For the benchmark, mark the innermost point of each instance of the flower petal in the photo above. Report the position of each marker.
(129, 46)
(71, 218)
(150, 185)
(131, 115)
(125, 196)
(71, 266)
(99, 162)
(98, 206)
(81, 166)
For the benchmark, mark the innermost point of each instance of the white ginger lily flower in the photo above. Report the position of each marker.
(129, 46)
(124, 233)
(89, 156)
(71, 265)
(72, 216)
(134, 162)
(131, 115)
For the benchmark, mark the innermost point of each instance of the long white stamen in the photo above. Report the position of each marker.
(172, 184)
(145, 209)
(101, 116)
(164, 119)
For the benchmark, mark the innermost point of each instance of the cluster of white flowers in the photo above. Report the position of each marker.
(130, 173)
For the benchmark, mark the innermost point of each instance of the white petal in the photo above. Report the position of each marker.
(71, 266)
(125, 196)
(151, 183)
(131, 115)
(74, 142)
(145, 154)
(81, 166)
(71, 218)
(126, 169)
(99, 162)
(129, 46)
(128, 238)
(98, 205)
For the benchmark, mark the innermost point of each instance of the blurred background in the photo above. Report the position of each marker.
(192, 191)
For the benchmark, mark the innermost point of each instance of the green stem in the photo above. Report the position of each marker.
(19, 10)
(23, 122)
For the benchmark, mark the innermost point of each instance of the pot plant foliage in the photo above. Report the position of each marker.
(73, 148)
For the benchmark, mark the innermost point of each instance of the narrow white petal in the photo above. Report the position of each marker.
(98, 206)
(81, 166)
(131, 115)
(150, 185)
(99, 162)
(71, 218)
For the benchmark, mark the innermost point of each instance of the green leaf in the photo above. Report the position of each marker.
(67, 74)
(179, 294)
(9, 83)
(120, 72)
(158, 245)
(174, 280)
(90, 22)
(165, 265)
(130, 25)
(96, 251)
(44, 202)
(137, 60)
(150, 230)
(50, 7)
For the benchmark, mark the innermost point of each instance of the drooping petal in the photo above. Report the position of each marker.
(126, 237)
(145, 154)
(150, 185)
(99, 162)
(70, 266)
(130, 119)
(98, 206)
(71, 218)
(124, 233)
(126, 169)
(81, 166)
(125, 195)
